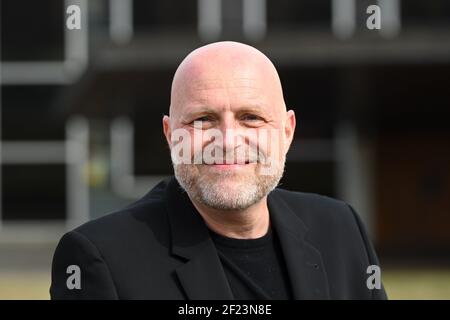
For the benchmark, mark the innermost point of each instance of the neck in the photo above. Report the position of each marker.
(250, 223)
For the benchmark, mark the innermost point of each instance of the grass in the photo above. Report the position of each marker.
(400, 284)
(27, 285)
(417, 284)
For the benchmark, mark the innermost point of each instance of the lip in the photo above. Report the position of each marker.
(233, 165)
(229, 166)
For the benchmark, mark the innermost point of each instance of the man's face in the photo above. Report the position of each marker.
(236, 127)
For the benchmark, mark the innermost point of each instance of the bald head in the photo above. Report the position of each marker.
(223, 66)
(226, 101)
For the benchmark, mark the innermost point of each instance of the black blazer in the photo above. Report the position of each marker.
(159, 248)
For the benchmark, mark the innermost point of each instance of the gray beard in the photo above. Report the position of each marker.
(209, 191)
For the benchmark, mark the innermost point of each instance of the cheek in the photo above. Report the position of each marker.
(272, 144)
(197, 143)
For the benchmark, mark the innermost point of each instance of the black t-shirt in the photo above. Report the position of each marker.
(255, 268)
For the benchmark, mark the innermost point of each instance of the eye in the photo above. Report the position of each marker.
(251, 117)
(203, 119)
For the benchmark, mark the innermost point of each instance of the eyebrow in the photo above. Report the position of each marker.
(205, 110)
(257, 108)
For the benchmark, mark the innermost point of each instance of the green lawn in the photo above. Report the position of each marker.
(417, 283)
(399, 284)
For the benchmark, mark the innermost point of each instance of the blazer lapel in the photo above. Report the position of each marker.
(202, 275)
(304, 262)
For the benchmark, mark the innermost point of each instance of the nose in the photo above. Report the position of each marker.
(231, 134)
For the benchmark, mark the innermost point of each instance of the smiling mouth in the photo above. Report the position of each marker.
(238, 163)
(227, 166)
(231, 165)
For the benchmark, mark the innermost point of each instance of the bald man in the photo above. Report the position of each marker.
(220, 228)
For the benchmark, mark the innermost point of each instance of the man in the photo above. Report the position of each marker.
(220, 229)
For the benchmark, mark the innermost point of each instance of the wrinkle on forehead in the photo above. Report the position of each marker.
(225, 66)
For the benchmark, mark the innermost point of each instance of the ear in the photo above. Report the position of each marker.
(289, 128)
(167, 130)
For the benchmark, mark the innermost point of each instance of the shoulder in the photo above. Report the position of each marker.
(314, 208)
(141, 221)
(311, 199)
(324, 217)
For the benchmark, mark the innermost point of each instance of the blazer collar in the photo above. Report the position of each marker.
(303, 261)
(203, 277)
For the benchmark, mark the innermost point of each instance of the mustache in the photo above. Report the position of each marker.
(244, 155)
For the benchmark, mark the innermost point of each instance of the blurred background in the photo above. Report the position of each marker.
(80, 118)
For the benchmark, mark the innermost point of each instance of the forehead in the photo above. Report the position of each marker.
(219, 93)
